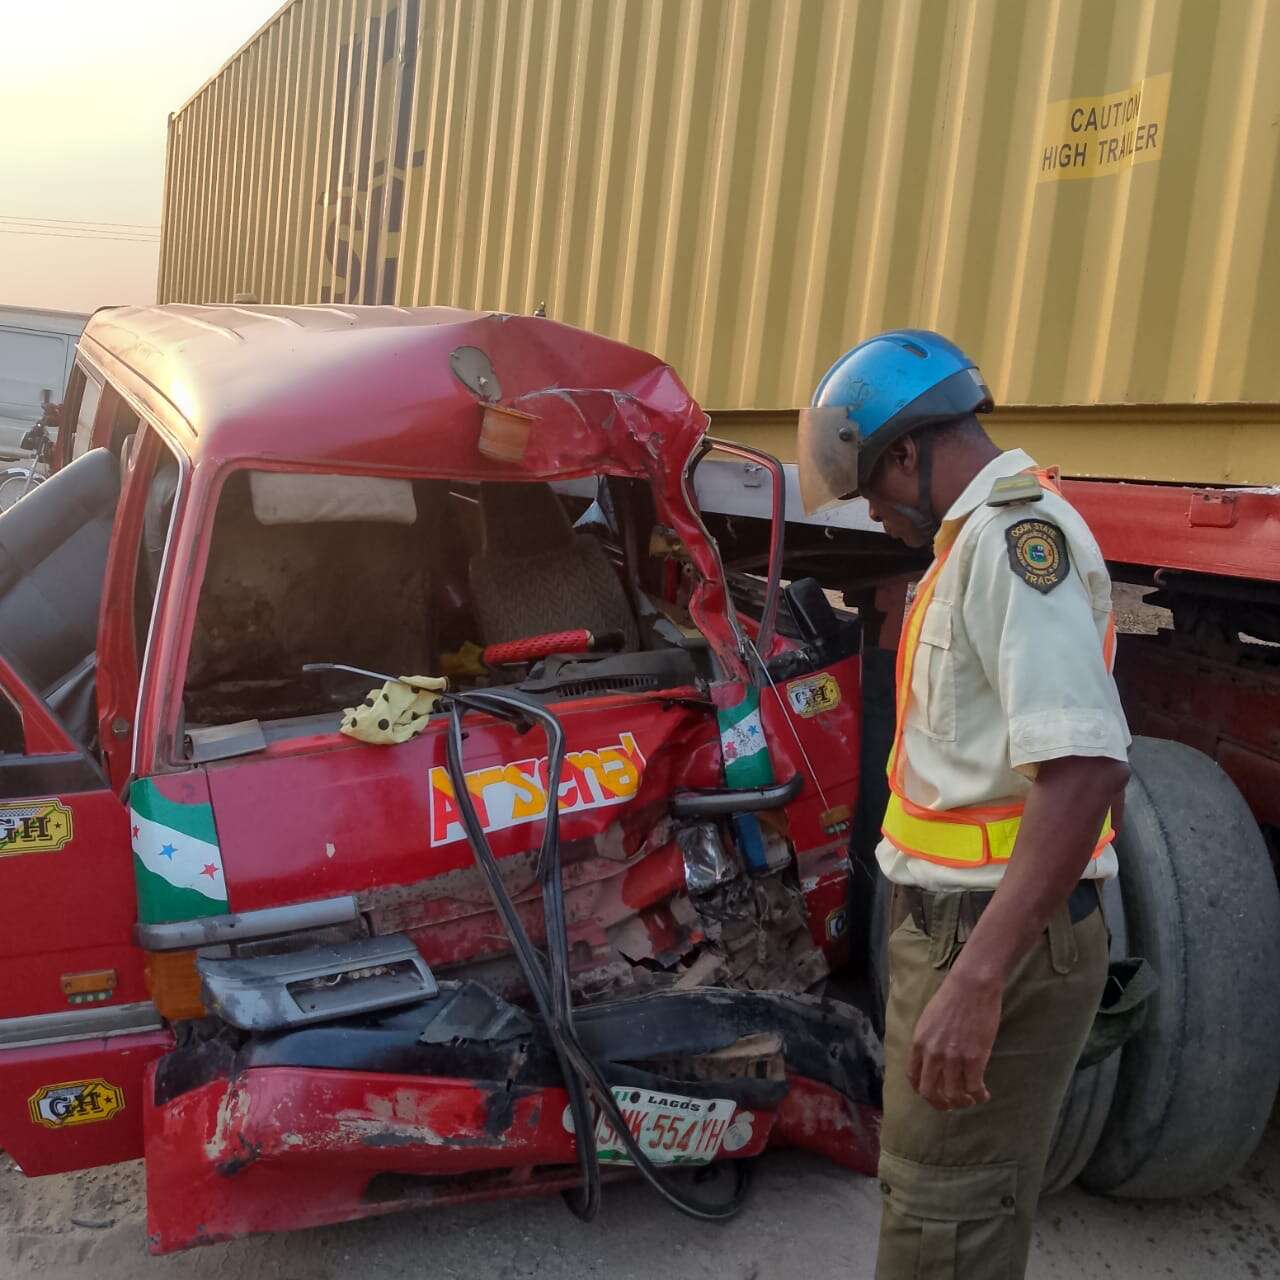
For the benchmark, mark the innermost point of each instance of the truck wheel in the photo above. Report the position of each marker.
(1088, 1101)
(1196, 1084)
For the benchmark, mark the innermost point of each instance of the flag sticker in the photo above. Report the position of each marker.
(742, 743)
(176, 860)
(744, 739)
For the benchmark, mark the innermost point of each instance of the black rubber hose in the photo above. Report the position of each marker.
(584, 1202)
(560, 1022)
(587, 1202)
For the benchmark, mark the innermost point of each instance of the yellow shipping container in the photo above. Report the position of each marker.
(1084, 193)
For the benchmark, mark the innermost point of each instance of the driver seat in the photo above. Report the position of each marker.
(535, 575)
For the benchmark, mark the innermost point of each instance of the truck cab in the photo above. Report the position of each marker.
(260, 949)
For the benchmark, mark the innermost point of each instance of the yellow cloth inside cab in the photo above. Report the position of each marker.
(395, 712)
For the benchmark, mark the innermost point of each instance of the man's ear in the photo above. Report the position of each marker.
(905, 452)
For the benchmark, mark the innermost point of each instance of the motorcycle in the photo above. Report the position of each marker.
(17, 481)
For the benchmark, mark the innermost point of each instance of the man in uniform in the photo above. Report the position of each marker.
(1006, 777)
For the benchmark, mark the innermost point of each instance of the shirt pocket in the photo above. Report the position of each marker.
(933, 681)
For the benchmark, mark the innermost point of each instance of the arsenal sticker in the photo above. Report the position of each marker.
(1038, 553)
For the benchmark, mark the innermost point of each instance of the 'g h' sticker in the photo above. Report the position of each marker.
(1038, 553)
(63, 1106)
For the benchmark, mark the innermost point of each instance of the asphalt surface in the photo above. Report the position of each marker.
(805, 1220)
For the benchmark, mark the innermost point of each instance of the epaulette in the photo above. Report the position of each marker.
(1009, 491)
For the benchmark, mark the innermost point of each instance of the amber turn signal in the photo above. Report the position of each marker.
(174, 984)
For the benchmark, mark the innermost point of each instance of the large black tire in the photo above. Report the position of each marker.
(1197, 1083)
(1088, 1101)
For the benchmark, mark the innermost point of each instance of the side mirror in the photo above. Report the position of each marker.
(829, 636)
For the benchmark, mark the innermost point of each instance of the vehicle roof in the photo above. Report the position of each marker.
(374, 387)
(43, 318)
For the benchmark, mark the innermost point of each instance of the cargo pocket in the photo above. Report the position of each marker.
(933, 680)
(943, 1221)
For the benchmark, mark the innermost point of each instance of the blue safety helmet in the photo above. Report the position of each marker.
(885, 387)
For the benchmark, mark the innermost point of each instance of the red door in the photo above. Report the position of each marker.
(77, 1028)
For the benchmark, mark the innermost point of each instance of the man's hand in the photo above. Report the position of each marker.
(952, 1044)
(956, 1032)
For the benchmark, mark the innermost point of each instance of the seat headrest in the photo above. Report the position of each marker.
(523, 519)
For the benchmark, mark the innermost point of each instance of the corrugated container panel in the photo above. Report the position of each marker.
(749, 186)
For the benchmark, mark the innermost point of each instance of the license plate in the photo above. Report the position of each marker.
(670, 1128)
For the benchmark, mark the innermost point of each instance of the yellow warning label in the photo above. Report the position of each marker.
(1094, 137)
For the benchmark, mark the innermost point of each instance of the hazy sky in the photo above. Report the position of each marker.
(86, 87)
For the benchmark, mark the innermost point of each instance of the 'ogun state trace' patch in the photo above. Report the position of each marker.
(1038, 553)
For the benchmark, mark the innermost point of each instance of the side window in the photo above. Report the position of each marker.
(12, 739)
(161, 490)
(68, 410)
(124, 426)
(150, 477)
(55, 554)
(85, 414)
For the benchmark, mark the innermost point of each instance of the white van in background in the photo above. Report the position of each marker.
(36, 351)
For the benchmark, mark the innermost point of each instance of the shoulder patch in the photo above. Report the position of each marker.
(1038, 553)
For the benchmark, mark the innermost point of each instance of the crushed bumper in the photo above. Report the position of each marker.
(358, 1119)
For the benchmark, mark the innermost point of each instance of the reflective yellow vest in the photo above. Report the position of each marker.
(967, 837)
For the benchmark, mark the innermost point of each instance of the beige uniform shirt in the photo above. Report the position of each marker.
(1005, 676)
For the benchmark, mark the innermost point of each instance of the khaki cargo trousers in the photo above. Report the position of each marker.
(960, 1187)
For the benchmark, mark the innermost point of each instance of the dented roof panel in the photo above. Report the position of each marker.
(374, 387)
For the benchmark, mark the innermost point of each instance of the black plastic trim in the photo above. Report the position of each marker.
(824, 1040)
(720, 801)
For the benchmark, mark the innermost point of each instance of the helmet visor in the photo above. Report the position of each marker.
(828, 463)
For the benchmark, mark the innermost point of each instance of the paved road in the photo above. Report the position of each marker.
(805, 1221)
